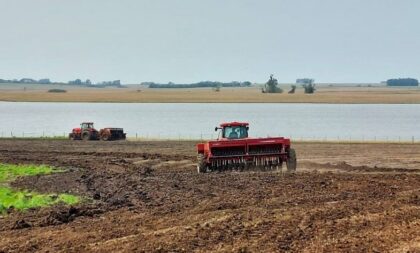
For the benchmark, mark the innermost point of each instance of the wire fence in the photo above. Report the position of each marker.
(203, 136)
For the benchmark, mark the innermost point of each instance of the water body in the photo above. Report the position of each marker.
(189, 120)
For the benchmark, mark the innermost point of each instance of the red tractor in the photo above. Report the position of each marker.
(235, 150)
(87, 132)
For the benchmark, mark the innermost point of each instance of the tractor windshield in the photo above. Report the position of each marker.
(235, 132)
(86, 125)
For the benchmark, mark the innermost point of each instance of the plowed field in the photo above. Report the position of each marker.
(148, 197)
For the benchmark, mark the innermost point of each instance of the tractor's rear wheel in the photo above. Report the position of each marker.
(291, 161)
(105, 137)
(201, 164)
(86, 136)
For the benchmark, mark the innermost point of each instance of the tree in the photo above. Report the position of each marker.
(309, 87)
(247, 83)
(116, 83)
(304, 80)
(76, 82)
(402, 82)
(44, 81)
(271, 86)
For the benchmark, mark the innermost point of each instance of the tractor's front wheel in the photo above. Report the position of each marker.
(201, 164)
(291, 161)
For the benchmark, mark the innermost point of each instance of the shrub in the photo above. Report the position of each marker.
(292, 91)
(309, 88)
(57, 91)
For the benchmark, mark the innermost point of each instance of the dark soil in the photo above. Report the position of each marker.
(148, 197)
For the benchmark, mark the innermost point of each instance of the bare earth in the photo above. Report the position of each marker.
(351, 95)
(147, 197)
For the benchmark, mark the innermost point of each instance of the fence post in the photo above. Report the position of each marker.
(412, 139)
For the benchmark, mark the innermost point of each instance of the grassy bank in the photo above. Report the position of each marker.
(333, 95)
(58, 138)
(24, 199)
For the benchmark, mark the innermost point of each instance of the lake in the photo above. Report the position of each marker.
(192, 121)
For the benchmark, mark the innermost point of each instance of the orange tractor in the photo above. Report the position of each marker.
(234, 150)
(87, 132)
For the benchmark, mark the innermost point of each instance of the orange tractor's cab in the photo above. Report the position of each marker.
(86, 132)
(234, 149)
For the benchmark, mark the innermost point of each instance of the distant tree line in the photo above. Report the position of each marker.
(87, 83)
(402, 82)
(27, 80)
(203, 84)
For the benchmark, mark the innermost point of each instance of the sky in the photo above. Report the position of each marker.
(185, 41)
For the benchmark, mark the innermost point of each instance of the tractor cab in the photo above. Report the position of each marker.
(86, 125)
(233, 130)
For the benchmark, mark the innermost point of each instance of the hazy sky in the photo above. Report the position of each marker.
(225, 40)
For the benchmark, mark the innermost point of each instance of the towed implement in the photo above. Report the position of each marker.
(110, 134)
(87, 132)
(234, 150)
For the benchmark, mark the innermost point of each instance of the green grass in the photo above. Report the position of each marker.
(9, 172)
(22, 200)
